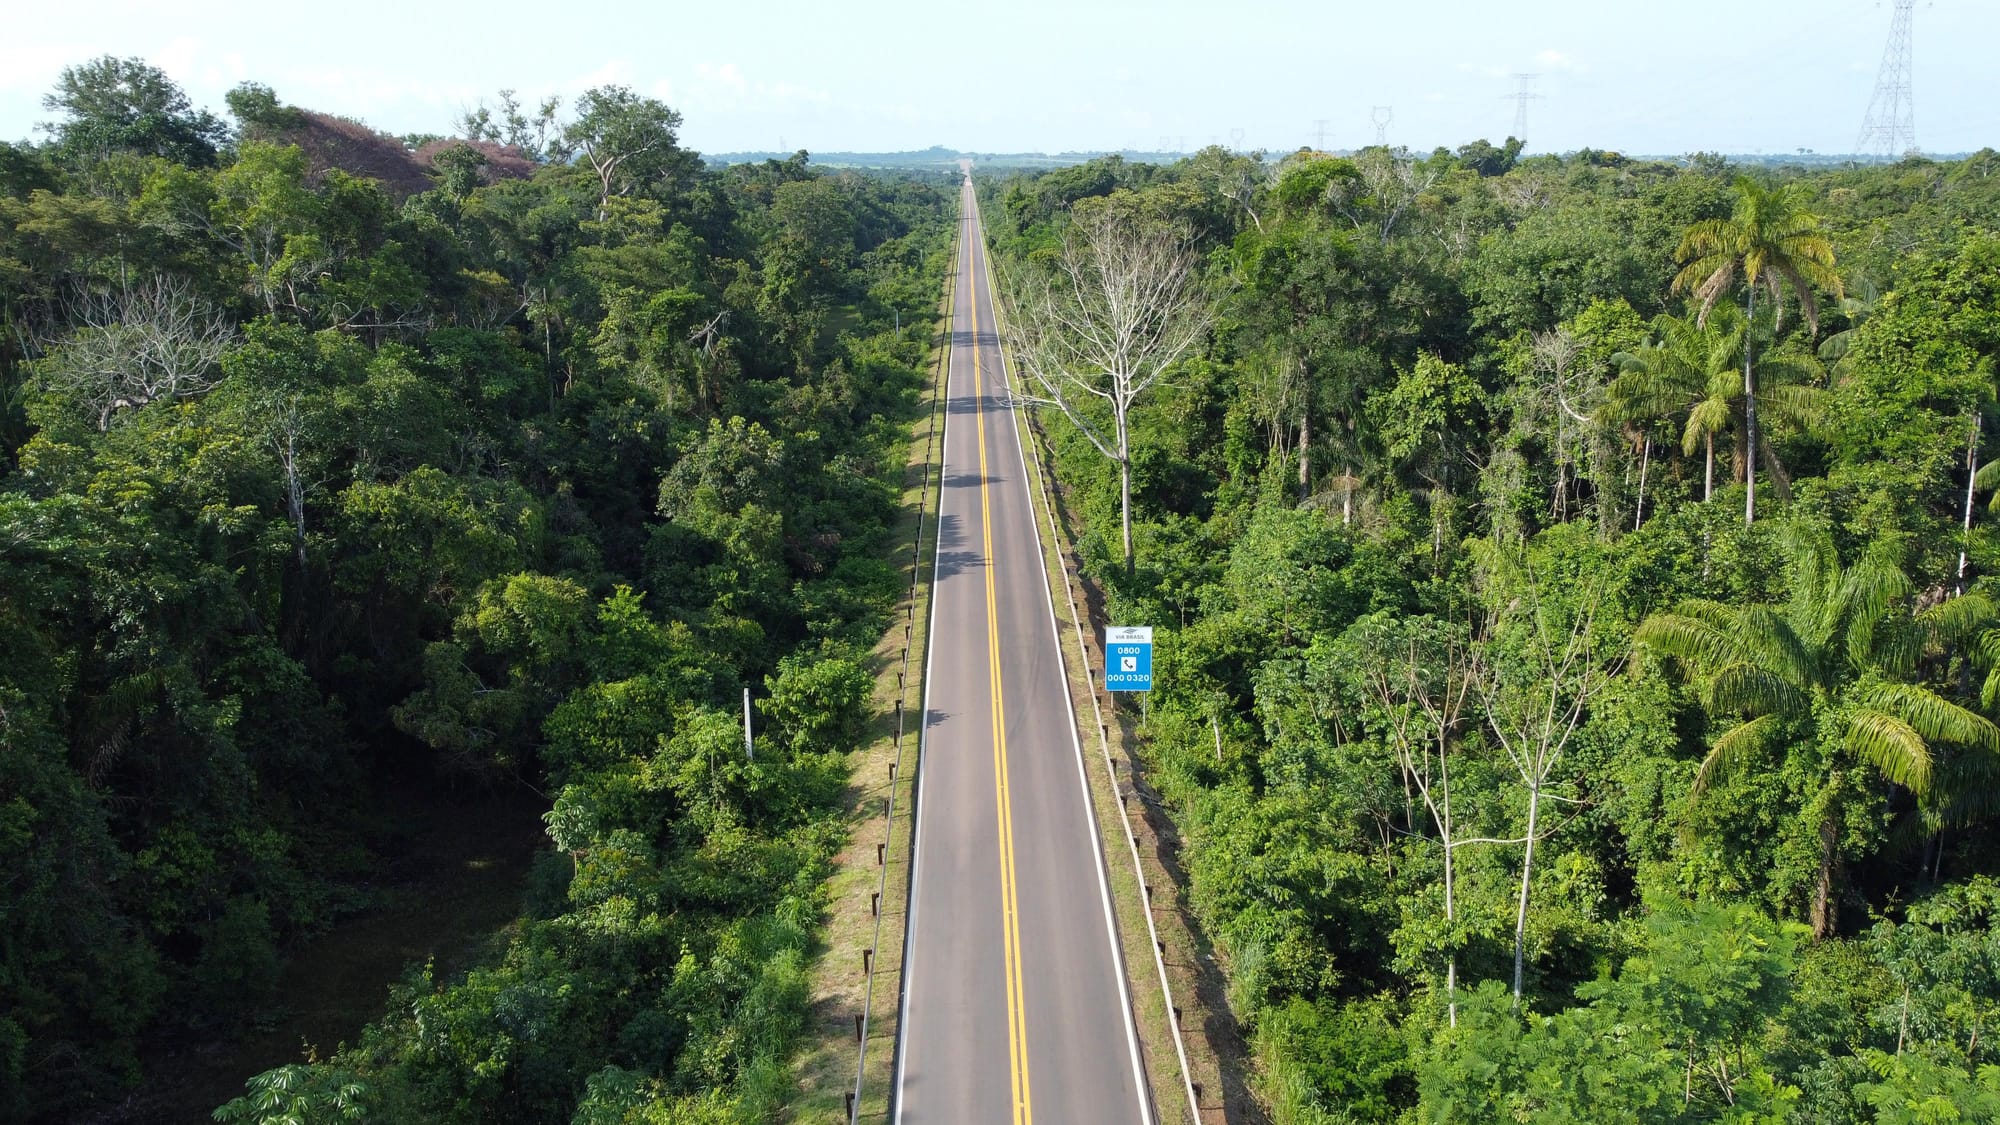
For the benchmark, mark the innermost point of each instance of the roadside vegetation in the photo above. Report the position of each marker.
(338, 465)
(1576, 638)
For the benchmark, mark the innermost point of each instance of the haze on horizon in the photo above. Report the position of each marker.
(1717, 75)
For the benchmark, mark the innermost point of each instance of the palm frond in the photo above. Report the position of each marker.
(1744, 688)
(1866, 592)
(1812, 569)
(1770, 640)
(1721, 615)
(1930, 714)
(1800, 407)
(1789, 370)
(1965, 789)
(1958, 621)
(1730, 752)
(1892, 746)
(1688, 636)
(1895, 646)
(1710, 416)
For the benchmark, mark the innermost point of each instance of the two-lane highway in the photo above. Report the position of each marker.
(1014, 998)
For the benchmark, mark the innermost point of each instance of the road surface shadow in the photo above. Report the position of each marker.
(970, 480)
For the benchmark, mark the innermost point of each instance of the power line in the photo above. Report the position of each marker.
(1890, 126)
(1521, 98)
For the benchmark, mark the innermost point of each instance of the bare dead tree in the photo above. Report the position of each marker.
(1421, 690)
(1555, 358)
(287, 425)
(1239, 184)
(1523, 191)
(1388, 187)
(157, 341)
(1536, 700)
(1122, 304)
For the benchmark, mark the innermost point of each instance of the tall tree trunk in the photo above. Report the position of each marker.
(1305, 454)
(1527, 873)
(1347, 496)
(1708, 469)
(1125, 485)
(1971, 474)
(1451, 957)
(1823, 905)
(1645, 458)
(1749, 407)
(1781, 481)
(1125, 508)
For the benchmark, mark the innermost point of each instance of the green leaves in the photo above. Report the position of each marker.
(1892, 746)
(1771, 239)
(1670, 1036)
(1733, 750)
(296, 1094)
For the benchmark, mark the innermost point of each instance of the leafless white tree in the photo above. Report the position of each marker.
(1122, 304)
(1536, 701)
(1389, 185)
(158, 340)
(1422, 694)
(286, 430)
(1555, 356)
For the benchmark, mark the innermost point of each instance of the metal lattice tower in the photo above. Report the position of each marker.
(1521, 98)
(1382, 115)
(1890, 127)
(1319, 134)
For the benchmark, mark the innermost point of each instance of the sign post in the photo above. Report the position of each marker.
(1128, 658)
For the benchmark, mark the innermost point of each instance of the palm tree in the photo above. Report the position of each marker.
(1690, 367)
(1775, 244)
(1839, 659)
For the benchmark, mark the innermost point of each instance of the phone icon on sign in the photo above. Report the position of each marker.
(1128, 664)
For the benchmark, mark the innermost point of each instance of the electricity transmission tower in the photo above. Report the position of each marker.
(1382, 115)
(1890, 127)
(1521, 98)
(1319, 134)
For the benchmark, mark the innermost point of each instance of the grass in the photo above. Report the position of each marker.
(825, 1070)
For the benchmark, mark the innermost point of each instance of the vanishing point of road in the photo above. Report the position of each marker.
(1014, 1004)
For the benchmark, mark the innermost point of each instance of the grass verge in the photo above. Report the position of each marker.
(1217, 1056)
(824, 1070)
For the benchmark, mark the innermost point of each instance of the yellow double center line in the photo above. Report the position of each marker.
(1017, 1025)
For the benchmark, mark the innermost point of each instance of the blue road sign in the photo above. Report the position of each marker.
(1128, 658)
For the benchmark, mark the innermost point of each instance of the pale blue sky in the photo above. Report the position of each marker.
(1663, 77)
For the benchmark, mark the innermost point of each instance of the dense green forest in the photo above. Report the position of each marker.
(1525, 766)
(336, 464)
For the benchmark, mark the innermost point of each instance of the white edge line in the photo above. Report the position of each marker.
(1140, 1090)
(924, 720)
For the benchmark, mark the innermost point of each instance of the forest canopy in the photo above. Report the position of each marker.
(1525, 765)
(339, 465)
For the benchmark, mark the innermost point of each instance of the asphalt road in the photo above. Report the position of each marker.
(1014, 1004)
